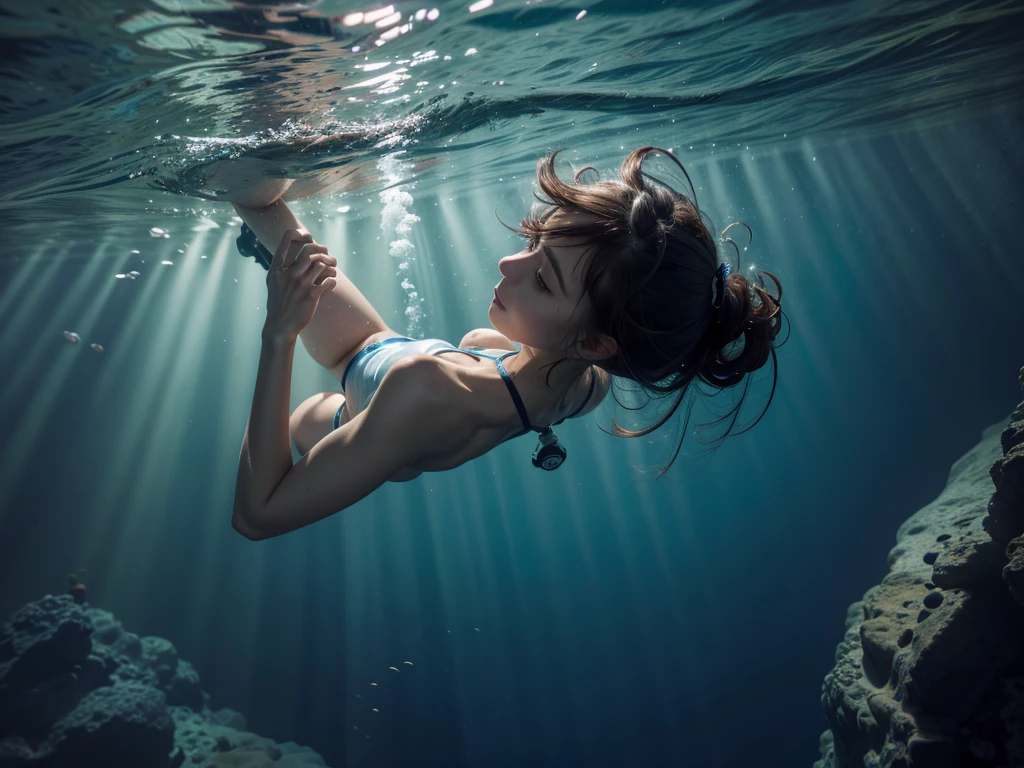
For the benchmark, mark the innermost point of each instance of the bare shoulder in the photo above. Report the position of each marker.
(486, 338)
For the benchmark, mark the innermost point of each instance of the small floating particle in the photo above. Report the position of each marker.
(120, 276)
(475, 629)
(97, 347)
(376, 710)
(395, 668)
(157, 232)
(133, 251)
(133, 274)
(72, 337)
(407, 662)
(358, 696)
(168, 263)
(374, 684)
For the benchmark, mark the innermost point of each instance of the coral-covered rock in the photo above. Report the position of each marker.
(129, 720)
(160, 655)
(42, 649)
(183, 689)
(969, 562)
(929, 669)
(230, 718)
(221, 745)
(1013, 571)
(77, 689)
(1006, 509)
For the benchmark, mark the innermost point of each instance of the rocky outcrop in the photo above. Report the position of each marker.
(930, 673)
(77, 691)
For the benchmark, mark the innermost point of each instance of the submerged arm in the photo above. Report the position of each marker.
(270, 222)
(411, 417)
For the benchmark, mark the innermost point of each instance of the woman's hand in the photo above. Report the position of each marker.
(299, 275)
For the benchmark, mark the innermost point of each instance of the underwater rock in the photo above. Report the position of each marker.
(42, 648)
(129, 720)
(108, 631)
(1013, 573)
(1006, 508)
(77, 690)
(183, 689)
(161, 656)
(970, 561)
(930, 671)
(230, 718)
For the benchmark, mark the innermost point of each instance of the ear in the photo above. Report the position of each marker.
(599, 347)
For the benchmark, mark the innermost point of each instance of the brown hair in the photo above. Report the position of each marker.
(652, 261)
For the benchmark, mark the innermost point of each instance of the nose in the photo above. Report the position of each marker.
(512, 267)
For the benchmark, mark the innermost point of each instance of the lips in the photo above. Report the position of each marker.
(497, 300)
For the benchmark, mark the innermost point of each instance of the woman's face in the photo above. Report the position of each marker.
(540, 289)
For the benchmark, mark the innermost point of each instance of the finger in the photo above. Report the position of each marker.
(295, 251)
(324, 287)
(285, 256)
(323, 274)
(315, 272)
(311, 254)
(291, 242)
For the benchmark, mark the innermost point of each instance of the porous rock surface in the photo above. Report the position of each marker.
(77, 691)
(930, 672)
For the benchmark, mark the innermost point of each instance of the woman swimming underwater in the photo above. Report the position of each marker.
(619, 278)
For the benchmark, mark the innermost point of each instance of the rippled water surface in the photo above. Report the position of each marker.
(104, 106)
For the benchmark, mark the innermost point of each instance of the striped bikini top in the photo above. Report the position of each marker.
(372, 363)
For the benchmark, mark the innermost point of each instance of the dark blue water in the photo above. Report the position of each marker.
(589, 616)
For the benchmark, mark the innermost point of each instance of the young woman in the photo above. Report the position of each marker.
(618, 278)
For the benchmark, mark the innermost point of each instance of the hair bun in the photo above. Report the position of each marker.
(743, 330)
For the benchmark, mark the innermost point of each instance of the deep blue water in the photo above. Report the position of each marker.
(589, 616)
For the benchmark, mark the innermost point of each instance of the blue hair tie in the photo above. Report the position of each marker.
(718, 285)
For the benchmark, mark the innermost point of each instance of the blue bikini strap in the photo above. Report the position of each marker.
(478, 352)
(515, 393)
(527, 426)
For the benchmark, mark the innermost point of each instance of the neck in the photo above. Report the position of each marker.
(543, 386)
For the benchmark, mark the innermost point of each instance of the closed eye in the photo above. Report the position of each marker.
(532, 242)
(541, 283)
